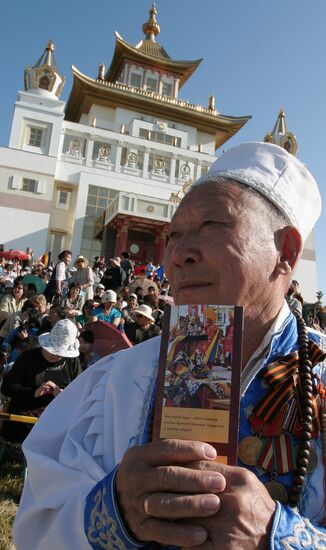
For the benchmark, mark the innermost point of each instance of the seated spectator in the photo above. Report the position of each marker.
(312, 320)
(24, 336)
(152, 300)
(121, 306)
(107, 312)
(30, 290)
(56, 314)
(8, 274)
(144, 327)
(13, 302)
(87, 357)
(99, 291)
(87, 315)
(72, 304)
(39, 375)
(39, 301)
(139, 293)
(294, 298)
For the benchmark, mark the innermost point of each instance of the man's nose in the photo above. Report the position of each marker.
(186, 251)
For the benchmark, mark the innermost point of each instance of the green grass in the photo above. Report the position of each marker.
(11, 486)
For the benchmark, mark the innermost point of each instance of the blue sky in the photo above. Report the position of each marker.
(258, 56)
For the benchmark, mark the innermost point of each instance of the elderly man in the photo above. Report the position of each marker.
(95, 482)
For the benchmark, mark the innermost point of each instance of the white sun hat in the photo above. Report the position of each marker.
(109, 296)
(62, 340)
(275, 173)
(145, 310)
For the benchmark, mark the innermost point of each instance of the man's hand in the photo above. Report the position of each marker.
(246, 513)
(47, 388)
(155, 487)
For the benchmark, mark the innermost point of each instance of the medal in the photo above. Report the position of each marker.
(249, 449)
(277, 491)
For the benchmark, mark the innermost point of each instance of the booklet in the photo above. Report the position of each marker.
(198, 382)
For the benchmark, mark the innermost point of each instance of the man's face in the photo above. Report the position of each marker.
(220, 249)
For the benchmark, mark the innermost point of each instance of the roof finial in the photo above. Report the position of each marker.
(44, 75)
(49, 53)
(151, 28)
(281, 136)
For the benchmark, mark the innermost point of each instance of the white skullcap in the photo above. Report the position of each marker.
(275, 173)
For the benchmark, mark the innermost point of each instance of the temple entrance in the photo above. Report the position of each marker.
(140, 245)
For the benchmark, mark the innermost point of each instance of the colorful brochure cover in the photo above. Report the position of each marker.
(198, 385)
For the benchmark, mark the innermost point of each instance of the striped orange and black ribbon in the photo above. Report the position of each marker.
(279, 408)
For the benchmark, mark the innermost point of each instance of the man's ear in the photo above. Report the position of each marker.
(290, 247)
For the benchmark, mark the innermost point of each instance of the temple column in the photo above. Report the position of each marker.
(122, 238)
(172, 168)
(160, 244)
(117, 160)
(145, 163)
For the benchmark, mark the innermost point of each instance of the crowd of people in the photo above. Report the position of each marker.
(96, 476)
(42, 307)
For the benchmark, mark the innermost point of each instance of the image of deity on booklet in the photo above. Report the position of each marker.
(199, 359)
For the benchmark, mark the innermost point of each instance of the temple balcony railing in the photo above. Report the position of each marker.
(112, 152)
(150, 208)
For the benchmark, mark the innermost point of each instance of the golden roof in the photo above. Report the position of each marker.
(87, 91)
(151, 54)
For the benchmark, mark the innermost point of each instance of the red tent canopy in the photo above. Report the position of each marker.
(14, 254)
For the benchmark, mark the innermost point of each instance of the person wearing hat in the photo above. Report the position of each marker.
(83, 277)
(144, 326)
(39, 375)
(99, 291)
(106, 311)
(114, 277)
(235, 238)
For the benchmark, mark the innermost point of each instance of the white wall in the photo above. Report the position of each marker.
(19, 229)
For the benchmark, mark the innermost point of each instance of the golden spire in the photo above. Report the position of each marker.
(281, 136)
(280, 125)
(151, 28)
(44, 74)
(49, 53)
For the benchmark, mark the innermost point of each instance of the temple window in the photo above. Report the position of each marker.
(63, 199)
(35, 136)
(29, 185)
(135, 80)
(167, 88)
(160, 137)
(151, 84)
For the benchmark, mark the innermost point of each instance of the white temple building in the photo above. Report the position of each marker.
(104, 172)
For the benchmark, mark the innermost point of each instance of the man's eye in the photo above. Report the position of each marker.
(174, 234)
(209, 222)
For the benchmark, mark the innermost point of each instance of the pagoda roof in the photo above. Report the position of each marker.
(150, 53)
(87, 91)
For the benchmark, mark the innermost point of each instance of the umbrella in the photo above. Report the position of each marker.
(14, 254)
(35, 280)
(108, 339)
(144, 284)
